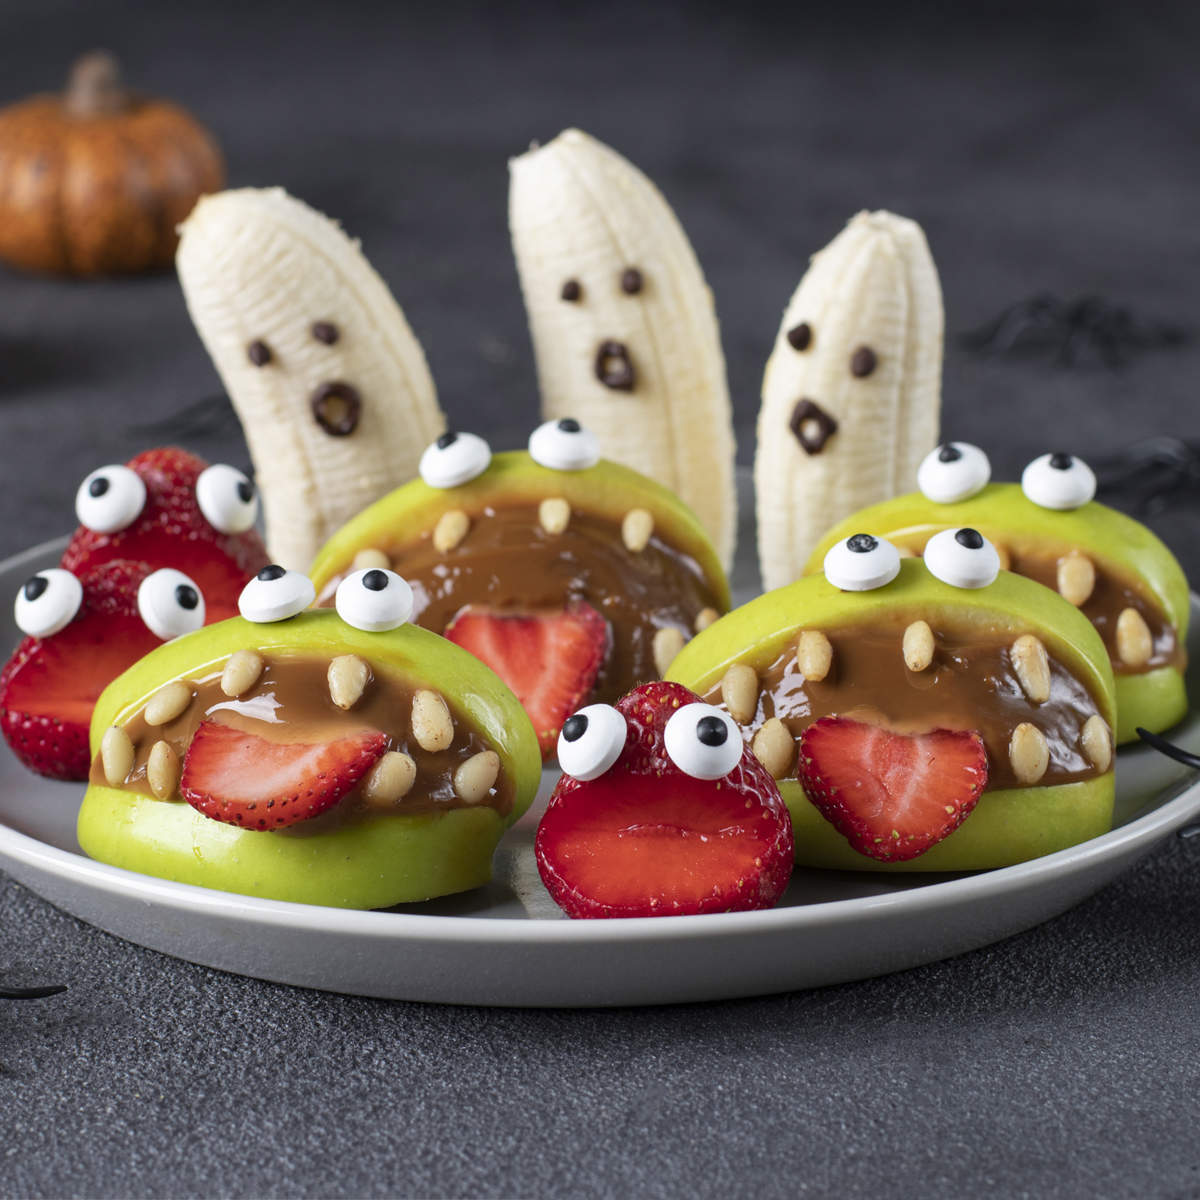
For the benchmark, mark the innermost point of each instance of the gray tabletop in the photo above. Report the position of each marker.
(1051, 150)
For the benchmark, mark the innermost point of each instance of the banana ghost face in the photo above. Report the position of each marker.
(852, 390)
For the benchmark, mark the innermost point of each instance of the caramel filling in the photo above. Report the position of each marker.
(291, 703)
(506, 560)
(967, 685)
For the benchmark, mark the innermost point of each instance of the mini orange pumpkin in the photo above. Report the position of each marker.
(94, 181)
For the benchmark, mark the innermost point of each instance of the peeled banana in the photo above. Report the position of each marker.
(623, 325)
(852, 390)
(330, 384)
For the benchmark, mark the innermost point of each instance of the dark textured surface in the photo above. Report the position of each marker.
(1050, 150)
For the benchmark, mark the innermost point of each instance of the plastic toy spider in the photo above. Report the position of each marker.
(1151, 476)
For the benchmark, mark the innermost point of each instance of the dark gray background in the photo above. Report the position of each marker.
(1043, 148)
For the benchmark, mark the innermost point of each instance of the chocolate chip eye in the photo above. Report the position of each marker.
(862, 563)
(953, 472)
(170, 604)
(47, 602)
(862, 362)
(564, 446)
(963, 558)
(374, 600)
(800, 336)
(259, 353)
(703, 742)
(275, 595)
(110, 499)
(325, 332)
(227, 499)
(591, 741)
(571, 291)
(631, 281)
(455, 459)
(1058, 481)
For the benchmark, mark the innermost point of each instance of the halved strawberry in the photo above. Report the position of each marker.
(891, 795)
(246, 780)
(173, 532)
(50, 685)
(550, 659)
(645, 839)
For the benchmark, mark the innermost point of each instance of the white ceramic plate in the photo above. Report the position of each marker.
(508, 945)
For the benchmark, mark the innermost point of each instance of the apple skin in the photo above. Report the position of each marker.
(1002, 512)
(374, 863)
(1005, 827)
(607, 489)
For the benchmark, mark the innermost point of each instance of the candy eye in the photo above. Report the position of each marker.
(862, 563)
(963, 558)
(1059, 481)
(702, 741)
(170, 604)
(374, 600)
(591, 741)
(275, 594)
(564, 446)
(454, 459)
(110, 499)
(227, 499)
(952, 472)
(48, 602)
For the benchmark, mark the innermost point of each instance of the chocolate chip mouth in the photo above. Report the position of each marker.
(812, 426)
(614, 367)
(337, 407)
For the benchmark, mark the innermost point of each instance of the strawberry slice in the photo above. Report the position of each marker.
(50, 685)
(891, 795)
(647, 840)
(549, 659)
(242, 779)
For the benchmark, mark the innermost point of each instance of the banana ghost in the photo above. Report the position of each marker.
(852, 390)
(623, 325)
(330, 384)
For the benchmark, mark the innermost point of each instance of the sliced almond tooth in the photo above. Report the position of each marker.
(1076, 577)
(162, 770)
(814, 655)
(116, 755)
(1097, 742)
(1134, 643)
(390, 779)
(371, 559)
(554, 514)
(241, 672)
(667, 644)
(1028, 753)
(432, 725)
(918, 646)
(1032, 665)
(450, 530)
(905, 552)
(739, 690)
(348, 677)
(774, 747)
(636, 529)
(168, 702)
(704, 618)
(1003, 555)
(477, 776)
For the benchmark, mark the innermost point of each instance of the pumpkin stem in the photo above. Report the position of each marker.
(94, 87)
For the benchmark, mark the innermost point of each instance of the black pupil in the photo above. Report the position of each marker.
(575, 727)
(98, 486)
(971, 539)
(949, 453)
(186, 597)
(245, 491)
(274, 571)
(36, 587)
(1061, 462)
(569, 425)
(375, 581)
(861, 543)
(446, 440)
(712, 731)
